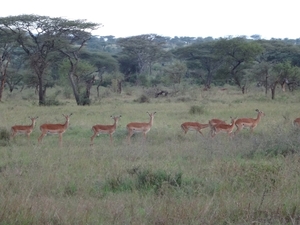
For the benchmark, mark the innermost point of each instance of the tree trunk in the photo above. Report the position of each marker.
(119, 84)
(75, 92)
(244, 88)
(208, 79)
(89, 84)
(266, 91)
(3, 68)
(41, 91)
(273, 92)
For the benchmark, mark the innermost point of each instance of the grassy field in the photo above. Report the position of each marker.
(171, 178)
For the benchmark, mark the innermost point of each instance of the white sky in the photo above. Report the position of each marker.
(202, 18)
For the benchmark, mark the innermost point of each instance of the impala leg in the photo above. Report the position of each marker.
(41, 137)
(145, 138)
(200, 132)
(129, 136)
(237, 130)
(185, 130)
(92, 138)
(13, 134)
(111, 141)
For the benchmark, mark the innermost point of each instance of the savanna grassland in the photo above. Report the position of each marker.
(171, 178)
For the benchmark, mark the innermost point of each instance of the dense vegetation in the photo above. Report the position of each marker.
(41, 52)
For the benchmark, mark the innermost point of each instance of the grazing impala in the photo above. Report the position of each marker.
(221, 127)
(193, 126)
(49, 128)
(23, 129)
(105, 129)
(248, 122)
(136, 127)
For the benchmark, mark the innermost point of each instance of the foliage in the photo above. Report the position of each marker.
(143, 99)
(175, 72)
(4, 136)
(41, 37)
(195, 109)
(143, 180)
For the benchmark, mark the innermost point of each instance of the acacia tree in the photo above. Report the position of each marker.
(238, 54)
(142, 50)
(42, 36)
(201, 56)
(6, 49)
(103, 62)
(277, 65)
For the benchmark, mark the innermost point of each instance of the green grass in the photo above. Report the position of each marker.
(171, 178)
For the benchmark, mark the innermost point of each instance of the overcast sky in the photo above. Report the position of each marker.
(202, 18)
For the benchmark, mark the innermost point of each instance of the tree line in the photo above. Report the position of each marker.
(40, 52)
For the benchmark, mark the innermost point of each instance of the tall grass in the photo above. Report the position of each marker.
(171, 178)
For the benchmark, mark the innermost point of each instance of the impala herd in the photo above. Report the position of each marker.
(216, 126)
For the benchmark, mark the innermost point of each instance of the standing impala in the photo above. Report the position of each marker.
(23, 129)
(49, 128)
(221, 127)
(136, 127)
(214, 122)
(248, 122)
(193, 126)
(105, 129)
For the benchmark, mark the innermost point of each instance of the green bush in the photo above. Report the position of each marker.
(4, 136)
(197, 110)
(143, 99)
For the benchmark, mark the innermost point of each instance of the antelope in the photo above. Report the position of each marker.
(214, 122)
(49, 128)
(105, 129)
(137, 127)
(248, 122)
(221, 127)
(193, 126)
(24, 129)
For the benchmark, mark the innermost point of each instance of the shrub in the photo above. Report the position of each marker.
(143, 99)
(197, 110)
(4, 136)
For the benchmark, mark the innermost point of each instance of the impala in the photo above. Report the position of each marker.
(193, 126)
(249, 122)
(136, 127)
(23, 129)
(221, 127)
(49, 128)
(214, 122)
(105, 129)
(296, 122)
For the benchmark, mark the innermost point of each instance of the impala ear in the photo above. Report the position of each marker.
(256, 110)
(71, 114)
